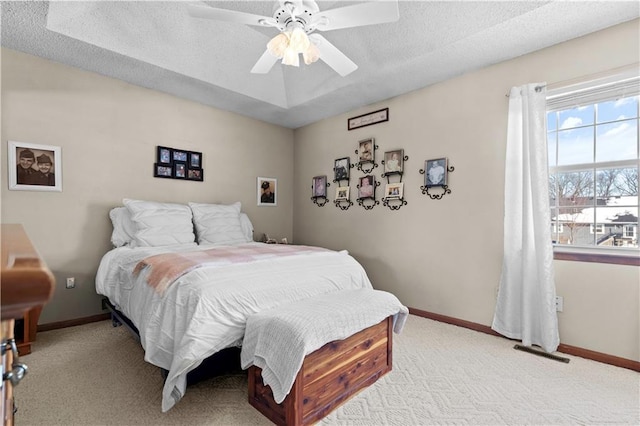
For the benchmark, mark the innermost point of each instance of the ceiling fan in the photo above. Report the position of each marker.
(297, 20)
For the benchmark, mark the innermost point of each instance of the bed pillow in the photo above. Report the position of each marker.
(218, 224)
(160, 224)
(247, 226)
(123, 227)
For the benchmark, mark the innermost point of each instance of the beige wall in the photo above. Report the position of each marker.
(444, 256)
(108, 131)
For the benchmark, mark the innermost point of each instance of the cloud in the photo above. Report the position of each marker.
(615, 131)
(571, 122)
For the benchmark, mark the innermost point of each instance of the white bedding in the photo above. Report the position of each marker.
(206, 309)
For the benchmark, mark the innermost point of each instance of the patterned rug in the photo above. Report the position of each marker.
(442, 375)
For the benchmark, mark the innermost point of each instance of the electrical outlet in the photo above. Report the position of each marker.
(71, 282)
(559, 303)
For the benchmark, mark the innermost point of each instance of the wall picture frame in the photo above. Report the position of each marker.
(164, 155)
(341, 168)
(179, 170)
(342, 193)
(179, 155)
(34, 167)
(162, 171)
(366, 150)
(195, 174)
(368, 119)
(436, 172)
(367, 187)
(319, 186)
(195, 160)
(267, 191)
(394, 190)
(394, 162)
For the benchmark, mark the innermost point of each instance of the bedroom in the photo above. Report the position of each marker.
(109, 130)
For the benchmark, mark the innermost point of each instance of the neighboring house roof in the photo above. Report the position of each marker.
(616, 210)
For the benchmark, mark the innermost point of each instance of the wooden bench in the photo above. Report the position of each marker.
(328, 377)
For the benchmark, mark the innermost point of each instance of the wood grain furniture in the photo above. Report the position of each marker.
(328, 377)
(26, 284)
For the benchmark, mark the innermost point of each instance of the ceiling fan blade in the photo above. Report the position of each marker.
(332, 56)
(230, 16)
(375, 12)
(264, 64)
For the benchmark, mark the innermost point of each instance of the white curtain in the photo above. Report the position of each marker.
(526, 308)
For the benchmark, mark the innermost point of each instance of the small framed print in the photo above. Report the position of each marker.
(164, 155)
(366, 187)
(195, 174)
(180, 156)
(195, 160)
(320, 186)
(366, 150)
(394, 190)
(435, 172)
(179, 170)
(368, 119)
(267, 191)
(341, 168)
(162, 171)
(342, 193)
(393, 161)
(34, 167)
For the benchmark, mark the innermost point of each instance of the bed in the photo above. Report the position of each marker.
(221, 278)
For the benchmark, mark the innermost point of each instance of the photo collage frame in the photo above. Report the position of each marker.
(175, 163)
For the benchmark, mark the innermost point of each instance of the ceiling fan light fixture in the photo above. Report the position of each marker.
(311, 55)
(298, 40)
(291, 57)
(278, 45)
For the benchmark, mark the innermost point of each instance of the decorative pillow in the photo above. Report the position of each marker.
(218, 224)
(160, 224)
(123, 227)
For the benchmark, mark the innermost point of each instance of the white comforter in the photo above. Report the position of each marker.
(206, 310)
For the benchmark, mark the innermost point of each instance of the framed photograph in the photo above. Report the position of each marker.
(394, 190)
(342, 193)
(179, 170)
(341, 168)
(180, 156)
(320, 186)
(162, 171)
(368, 119)
(195, 160)
(393, 161)
(435, 172)
(164, 155)
(367, 186)
(195, 174)
(366, 150)
(34, 167)
(267, 191)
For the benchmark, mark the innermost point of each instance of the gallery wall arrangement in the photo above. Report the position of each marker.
(173, 163)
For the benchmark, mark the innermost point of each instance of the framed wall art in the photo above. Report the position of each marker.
(342, 193)
(320, 186)
(368, 119)
(366, 150)
(393, 161)
(367, 187)
(267, 191)
(34, 167)
(394, 190)
(178, 164)
(341, 168)
(435, 172)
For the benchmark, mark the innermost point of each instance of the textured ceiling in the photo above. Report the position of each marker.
(158, 45)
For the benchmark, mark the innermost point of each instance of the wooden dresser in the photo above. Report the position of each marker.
(26, 284)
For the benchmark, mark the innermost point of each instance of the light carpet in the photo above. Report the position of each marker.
(95, 374)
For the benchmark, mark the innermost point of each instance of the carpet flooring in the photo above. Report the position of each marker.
(95, 374)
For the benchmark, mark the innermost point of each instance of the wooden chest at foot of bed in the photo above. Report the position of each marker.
(328, 377)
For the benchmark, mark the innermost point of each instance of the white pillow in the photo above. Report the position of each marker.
(247, 226)
(123, 227)
(218, 224)
(160, 224)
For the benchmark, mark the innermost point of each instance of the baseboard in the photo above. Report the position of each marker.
(567, 349)
(74, 322)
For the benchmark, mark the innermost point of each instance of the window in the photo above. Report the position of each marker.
(593, 142)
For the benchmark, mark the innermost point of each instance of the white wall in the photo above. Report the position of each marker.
(108, 131)
(444, 256)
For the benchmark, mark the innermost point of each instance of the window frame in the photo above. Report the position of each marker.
(592, 92)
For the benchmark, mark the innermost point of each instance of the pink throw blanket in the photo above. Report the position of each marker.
(168, 267)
